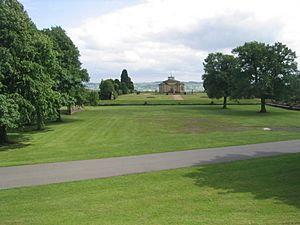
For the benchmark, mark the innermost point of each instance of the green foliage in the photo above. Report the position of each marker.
(27, 60)
(291, 94)
(107, 90)
(69, 75)
(127, 86)
(117, 85)
(261, 70)
(41, 69)
(124, 88)
(93, 98)
(218, 78)
(9, 114)
(265, 70)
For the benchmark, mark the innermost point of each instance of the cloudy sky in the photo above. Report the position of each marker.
(155, 38)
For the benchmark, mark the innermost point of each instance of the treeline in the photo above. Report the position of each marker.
(254, 70)
(110, 89)
(40, 71)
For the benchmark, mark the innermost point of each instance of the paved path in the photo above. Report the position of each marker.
(19, 176)
(177, 97)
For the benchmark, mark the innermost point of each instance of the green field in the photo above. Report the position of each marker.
(260, 191)
(113, 131)
(154, 98)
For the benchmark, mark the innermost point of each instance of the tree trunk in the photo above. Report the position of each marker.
(3, 135)
(69, 110)
(263, 105)
(225, 102)
(58, 119)
(39, 120)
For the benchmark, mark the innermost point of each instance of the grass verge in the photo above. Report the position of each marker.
(258, 191)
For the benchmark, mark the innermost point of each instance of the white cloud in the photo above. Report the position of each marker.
(158, 37)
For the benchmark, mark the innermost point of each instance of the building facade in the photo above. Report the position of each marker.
(171, 86)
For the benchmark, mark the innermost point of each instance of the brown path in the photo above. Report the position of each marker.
(177, 97)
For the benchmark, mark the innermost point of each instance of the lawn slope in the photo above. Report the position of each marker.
(100, 132)
(260, 191)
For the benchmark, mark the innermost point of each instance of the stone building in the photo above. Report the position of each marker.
(171, 86)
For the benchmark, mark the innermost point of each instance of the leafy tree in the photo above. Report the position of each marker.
(43, 95)
(292, 92)
(9, 116)
(283, 69)
(107, 90)
(28, 60)
(93, 98)
(123, 88)
(217, 79)
(117, 85)
(265, 70)
(69, 74)
(124, 76)
(127, 81)
(130, 86)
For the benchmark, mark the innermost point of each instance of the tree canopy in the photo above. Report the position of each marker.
(127, 86)
(265, 70)
(69, 75)
(28, 59)
(255, 70)
(107, 90)
(218, 77)
(31, 69)
(110, 89)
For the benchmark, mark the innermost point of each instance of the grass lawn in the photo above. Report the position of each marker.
(261, 191)
(112, 131)
(154, 98)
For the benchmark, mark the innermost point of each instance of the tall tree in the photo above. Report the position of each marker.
(28, 61)
(217, 79)
(45, 98)
(123, 88)
(127, 81)
(265, 69)
(69, 75)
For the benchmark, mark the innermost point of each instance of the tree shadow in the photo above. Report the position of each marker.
(242, 112)
(16, 141)
(20, 137)
(276, 178)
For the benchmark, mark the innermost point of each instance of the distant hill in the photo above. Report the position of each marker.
(153, 86)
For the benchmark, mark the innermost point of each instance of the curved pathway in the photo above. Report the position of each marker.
(20, 176)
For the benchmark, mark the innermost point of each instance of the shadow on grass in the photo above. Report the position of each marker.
(241, 111)
(276, 178)
(16, 141)
(32, 128)
(12, 146)
(19, 138)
